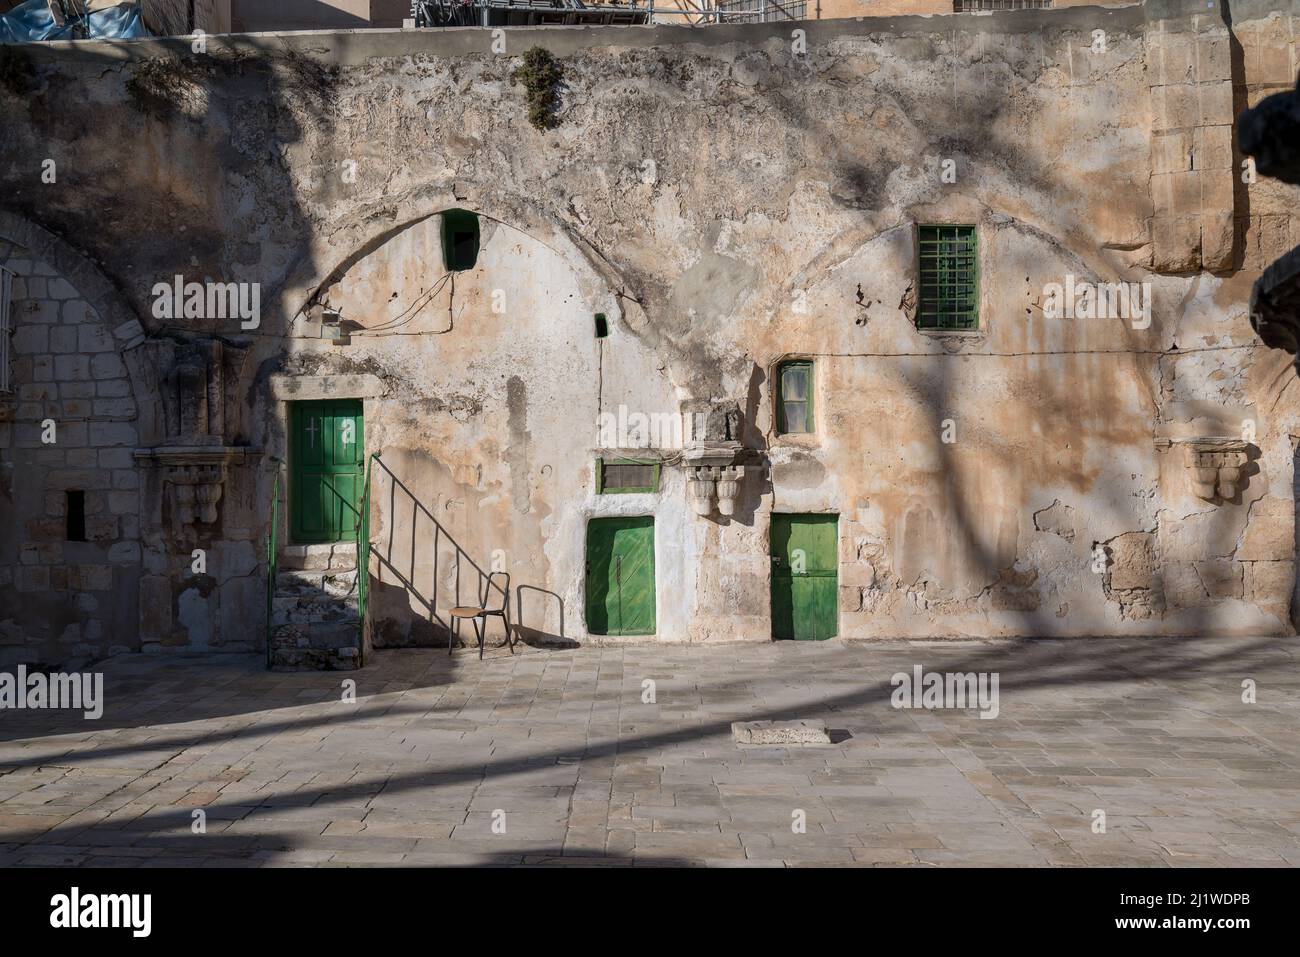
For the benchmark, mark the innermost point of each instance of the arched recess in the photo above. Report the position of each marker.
(74, 559)
(365, 231)
(92, 285)
(488, 432)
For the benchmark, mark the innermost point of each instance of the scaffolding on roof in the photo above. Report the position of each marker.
(521, 13)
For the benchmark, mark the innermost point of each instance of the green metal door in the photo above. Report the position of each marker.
(621, 576)
(804, 578)
(326, 452)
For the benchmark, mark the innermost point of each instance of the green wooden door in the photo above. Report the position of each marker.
(804, 578)
(326, 452)
(621, 576)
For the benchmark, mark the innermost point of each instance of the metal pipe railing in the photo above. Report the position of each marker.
(272, 565)
(363, 561)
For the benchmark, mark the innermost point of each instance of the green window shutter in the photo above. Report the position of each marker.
(949, 280)
(794, 402)
(626, 475)
(459, 239)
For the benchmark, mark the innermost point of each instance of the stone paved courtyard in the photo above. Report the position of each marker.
(1152, 732)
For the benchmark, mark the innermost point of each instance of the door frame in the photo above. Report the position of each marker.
(295, 476)
(654, 568)
(285, 388)
(835, 560)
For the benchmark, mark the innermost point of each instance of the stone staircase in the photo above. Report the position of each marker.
(315, 618)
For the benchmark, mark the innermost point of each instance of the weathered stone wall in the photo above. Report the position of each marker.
(700, 185)
(68, 425)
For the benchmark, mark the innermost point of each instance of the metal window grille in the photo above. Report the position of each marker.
(949, 260)
(972, 6)
(6, 290)
(628, 475)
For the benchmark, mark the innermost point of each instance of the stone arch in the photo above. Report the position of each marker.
(85, 277)
(434, 489)
(76, 598)
(357, 236)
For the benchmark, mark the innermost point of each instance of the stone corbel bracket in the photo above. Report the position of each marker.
(195, 477)
(714, 475)
(1214, 465)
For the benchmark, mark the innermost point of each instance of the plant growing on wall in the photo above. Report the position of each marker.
(541, 75)
(157, 85)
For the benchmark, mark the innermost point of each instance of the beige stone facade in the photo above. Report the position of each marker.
(727, 204)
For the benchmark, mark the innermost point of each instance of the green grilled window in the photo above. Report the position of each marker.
(459, 239)
(949, 297)
(615, 476)
(794, 397)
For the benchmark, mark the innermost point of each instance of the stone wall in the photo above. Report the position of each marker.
(68, 426)
(727, 200)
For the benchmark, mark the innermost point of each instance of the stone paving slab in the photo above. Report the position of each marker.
(551, 758)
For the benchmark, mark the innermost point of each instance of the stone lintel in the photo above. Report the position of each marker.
(301, 388)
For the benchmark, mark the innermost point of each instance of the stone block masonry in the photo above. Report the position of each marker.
(728, 202)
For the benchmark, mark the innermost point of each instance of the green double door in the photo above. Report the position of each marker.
(805, 551)
(326, 456)
(621, 576)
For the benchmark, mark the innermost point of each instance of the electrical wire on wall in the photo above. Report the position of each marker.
(407, 315)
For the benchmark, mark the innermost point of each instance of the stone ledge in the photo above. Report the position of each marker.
(298, 388)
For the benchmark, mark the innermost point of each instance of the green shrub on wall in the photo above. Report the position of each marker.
(541, 75)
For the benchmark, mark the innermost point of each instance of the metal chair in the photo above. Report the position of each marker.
(480, 614)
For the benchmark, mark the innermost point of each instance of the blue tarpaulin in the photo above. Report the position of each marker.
(32, 21)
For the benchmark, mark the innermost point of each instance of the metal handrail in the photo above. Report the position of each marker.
(6, 292)
(361, 538)
(486, 582)
(363, 560)
(272, 566)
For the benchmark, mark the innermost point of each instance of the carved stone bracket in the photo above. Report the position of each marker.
(197, 380)
(714, 476)
(194, 477)
(713, 459)
(1215, 465)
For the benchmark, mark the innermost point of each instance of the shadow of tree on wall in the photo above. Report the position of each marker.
(980, 132)
(200, 126)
